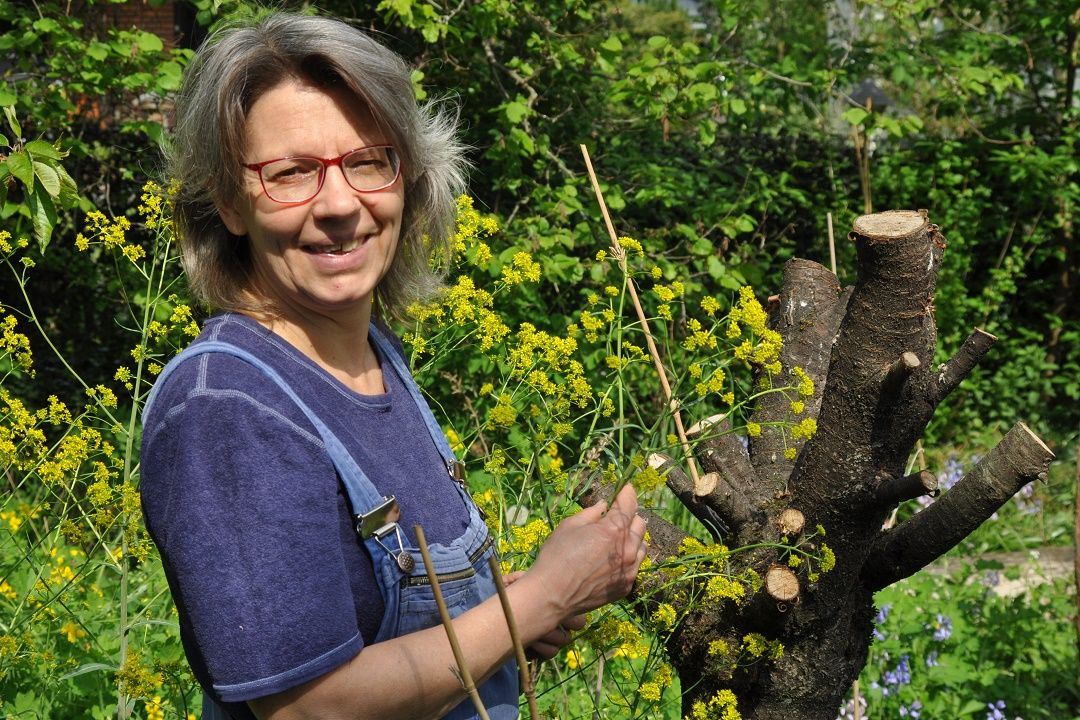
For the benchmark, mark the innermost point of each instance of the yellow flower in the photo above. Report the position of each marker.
(805, 428)
(664, 616)
(718, 648)
(650, 691)
(721, 587)
(753, 429)
(72, 632)
(828, 558)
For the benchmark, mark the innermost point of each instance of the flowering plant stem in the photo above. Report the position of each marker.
(463, 668)
(619, 254)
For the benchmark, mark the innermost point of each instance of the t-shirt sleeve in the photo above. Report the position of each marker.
(243, 503)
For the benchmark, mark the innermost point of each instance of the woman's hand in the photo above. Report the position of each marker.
(592, 558)
(555, 640)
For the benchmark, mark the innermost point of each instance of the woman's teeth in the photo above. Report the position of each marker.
(335, 249)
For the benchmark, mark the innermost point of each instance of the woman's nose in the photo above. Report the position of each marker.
(336, 198)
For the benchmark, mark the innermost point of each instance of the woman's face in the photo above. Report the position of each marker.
(326, 256)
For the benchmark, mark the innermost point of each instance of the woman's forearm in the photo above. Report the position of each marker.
(414, 676)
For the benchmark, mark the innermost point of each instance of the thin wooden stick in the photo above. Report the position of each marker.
(1076, 558)
(519, 649)
(463, 669)
(832, 243)
(620, 255)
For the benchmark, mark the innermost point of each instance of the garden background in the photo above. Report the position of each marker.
(724, 134)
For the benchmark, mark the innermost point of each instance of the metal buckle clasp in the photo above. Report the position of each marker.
(378, 520)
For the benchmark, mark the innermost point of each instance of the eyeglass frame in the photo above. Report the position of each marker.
(326, 164)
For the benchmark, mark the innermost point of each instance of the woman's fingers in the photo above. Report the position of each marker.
(575, 622)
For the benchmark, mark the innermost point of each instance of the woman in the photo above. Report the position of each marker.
(287, 454)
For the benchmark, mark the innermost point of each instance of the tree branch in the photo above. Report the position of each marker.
(807, 317)
(1018, 459)
(959, 365)
(720, 451)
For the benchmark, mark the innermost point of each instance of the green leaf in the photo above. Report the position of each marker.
(523, 139)
(97, 51)
(49, 178)
(7, 98)
(972, 706)
(69, 191)
(149, 42)
(89, 667)
(39, 149)
(737, 105)
(855, 115)
(516, 111)
(657, 41)
(42, 215)
(169, 75)
(612, 44)
(9, 113)
(21, 166)
(46, 25)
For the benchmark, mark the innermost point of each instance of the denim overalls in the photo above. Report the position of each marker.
(462, 566)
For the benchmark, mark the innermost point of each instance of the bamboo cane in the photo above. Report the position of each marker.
(620, 255)
(463, 669)
(519, 649)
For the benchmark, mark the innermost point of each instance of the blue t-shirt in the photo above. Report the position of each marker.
(272, 585)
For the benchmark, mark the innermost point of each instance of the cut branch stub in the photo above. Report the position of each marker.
(683, 487)
(791, 522)
(899, 371)
(781, 583)
(1018, 459)
(890, 225)
(892, 491)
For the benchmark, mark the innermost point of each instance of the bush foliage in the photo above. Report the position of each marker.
(722, 141)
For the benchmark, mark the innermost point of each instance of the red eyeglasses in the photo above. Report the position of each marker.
(295, 180)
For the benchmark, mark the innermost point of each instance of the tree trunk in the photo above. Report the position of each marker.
(869, 351)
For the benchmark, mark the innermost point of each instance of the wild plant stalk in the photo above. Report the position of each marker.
(463, 668)
(620, 255)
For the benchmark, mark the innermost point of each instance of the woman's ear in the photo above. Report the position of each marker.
(232, 219)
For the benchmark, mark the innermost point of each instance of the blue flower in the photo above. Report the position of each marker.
(900, 675)
(996, 710)
(931, 659)
(911, 711)
(942, 628)
(879, 620)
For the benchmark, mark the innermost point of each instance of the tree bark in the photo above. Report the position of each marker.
(869, 351)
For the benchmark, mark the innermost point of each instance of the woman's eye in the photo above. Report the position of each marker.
(290, 172)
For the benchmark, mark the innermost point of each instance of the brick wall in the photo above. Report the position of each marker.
(158, 18)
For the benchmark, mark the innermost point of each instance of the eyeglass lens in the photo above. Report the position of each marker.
(299, 179)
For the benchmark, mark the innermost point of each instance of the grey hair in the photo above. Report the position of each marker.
(230, 71)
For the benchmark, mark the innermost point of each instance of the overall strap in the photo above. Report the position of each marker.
(362, 494)
(389, 352)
